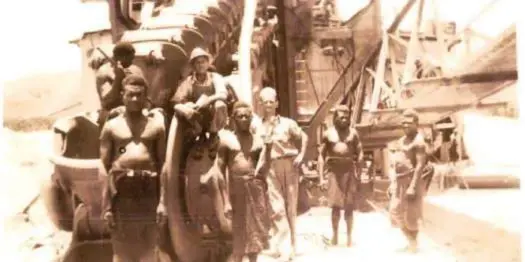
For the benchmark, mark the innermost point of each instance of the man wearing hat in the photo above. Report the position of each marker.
(201, 98)
(412, 172)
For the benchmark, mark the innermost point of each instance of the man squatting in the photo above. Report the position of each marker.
(246, 158)
(132, 150)
(341, 158)
(412, 175)
(286, 160)
(201, 100)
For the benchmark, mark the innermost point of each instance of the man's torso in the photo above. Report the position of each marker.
(282, 135)
(340, 144)
(405, 153)
(243, 153)
(134, 145)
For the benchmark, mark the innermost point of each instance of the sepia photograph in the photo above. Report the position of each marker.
(261, 130)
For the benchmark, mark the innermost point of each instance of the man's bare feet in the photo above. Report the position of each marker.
(408, 249)
(334, 241)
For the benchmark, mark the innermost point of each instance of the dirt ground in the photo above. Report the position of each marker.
(31, 236)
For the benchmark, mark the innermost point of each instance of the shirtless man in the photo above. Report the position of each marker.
(412, 172)
(201, 99)
(132, 150)
(286, 158)
(109, 78)
(340, 148)
(247, 160)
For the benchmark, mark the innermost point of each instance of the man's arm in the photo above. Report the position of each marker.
(320, 160)
(104, 84)
(181, 100)
(421, 160)
(106, 157)
(221, 93)
(359, 152)
(223, 180)
(160, 146)
(265, 158)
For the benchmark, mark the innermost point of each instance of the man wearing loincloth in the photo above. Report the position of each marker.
(109, 77)
(340, 159)
(201, 99)
(246, 159)
(412, 173)
(132, 150)
(286, 158)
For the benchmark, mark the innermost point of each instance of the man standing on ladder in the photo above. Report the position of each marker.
(286, 158)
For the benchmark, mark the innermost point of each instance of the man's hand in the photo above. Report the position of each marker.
(410, 193)
(162, 215)
(108, 218)
(228, 213)
(298, 160)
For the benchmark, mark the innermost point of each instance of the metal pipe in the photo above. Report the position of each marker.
(245, 41)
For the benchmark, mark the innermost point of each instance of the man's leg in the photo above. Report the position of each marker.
(413, 214)
(349, 218)
(336, 217)
(252, 257)
(292, 197)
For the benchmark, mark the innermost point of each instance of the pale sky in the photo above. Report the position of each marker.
(38, 40)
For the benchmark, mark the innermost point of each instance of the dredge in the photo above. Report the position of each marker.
(314, 60)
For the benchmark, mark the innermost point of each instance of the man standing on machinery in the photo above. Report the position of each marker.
(132, 150)
(201, 99)
(109, 77)
(411, 176)
(341, 158)
(286, 158)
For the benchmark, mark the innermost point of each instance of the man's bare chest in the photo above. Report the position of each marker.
(143, 133)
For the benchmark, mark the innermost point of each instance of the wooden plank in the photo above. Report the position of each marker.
(332, 33)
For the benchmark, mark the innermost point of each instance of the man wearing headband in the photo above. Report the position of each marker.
(247, 159)
(201, 98)
(340, 159)
(286, 157)
(411, 177)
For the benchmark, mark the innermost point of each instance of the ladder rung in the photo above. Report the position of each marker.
(300, 81)
(301, 91)
(300, 71)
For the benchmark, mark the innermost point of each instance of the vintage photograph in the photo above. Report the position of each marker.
(261, 130)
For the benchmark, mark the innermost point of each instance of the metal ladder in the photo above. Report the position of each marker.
(301, 89)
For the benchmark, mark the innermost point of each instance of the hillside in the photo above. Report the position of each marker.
(38, 96)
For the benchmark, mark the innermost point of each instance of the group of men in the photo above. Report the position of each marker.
(256, 160)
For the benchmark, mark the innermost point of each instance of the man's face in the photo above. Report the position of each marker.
(269, 103)
(342, 119)
(134, 98)
(125, 60)
(243, 119)
(409, 126)
(201, 64)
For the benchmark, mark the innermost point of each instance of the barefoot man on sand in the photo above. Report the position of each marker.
(340, 148)
(132, 150)
(286, 158)
(412, 175)
(247, 160)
